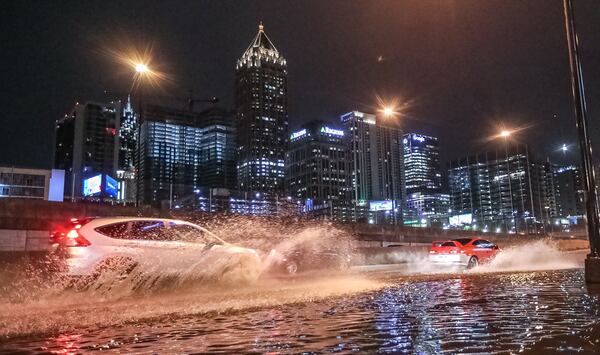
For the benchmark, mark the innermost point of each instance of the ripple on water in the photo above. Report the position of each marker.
(484, 313)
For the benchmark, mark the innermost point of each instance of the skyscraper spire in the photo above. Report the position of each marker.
(260, 49)
(262, 121)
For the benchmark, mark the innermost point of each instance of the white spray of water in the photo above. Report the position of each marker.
(532, 256)
(527, 256)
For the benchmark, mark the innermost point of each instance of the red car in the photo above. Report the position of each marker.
(467, 252)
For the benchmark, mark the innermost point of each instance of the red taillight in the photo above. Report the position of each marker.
(432, 252)
(70, 239)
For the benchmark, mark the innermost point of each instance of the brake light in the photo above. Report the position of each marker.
(432, 252)
(74, 239)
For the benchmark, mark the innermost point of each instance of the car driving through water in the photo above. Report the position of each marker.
(463, 252)
(90, 245)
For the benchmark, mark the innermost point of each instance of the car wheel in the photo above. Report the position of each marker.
(473, 262)
(291, 267)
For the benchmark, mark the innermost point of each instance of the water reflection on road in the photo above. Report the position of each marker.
(479, 313)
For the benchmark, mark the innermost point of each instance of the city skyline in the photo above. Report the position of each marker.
(452, 102)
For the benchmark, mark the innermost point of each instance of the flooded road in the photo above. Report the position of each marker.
(495, 312)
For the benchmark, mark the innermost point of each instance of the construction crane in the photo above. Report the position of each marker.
(189, 101)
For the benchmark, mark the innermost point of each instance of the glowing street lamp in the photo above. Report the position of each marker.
(388, 111)
(141, 68)
(564, 148)
(505, 134)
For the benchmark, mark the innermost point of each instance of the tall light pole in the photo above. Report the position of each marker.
(141, 71)
(390, 112)
(505, 135)
(592, 261)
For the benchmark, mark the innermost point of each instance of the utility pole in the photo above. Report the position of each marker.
(592, 261)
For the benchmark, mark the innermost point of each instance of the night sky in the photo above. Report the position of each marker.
(465, 66)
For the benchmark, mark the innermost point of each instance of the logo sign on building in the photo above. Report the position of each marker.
(418, 138)
(387, 205)
(335, 132)
(298, 134)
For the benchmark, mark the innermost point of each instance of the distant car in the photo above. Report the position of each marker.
(90, 245)
(464, 252)
(302, 259)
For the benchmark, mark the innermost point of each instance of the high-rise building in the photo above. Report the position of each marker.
(569, 192)
(375, 164)
(316, 163)
(262, 118)
(87, 143)
(184, 154)
(500, 191)
(425, 203)
(169, 164)
(127, 137)
(217, 148)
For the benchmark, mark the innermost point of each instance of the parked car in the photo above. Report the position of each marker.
(465, 252)
(91, 245)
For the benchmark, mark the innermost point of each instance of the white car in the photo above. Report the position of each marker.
(154, 244)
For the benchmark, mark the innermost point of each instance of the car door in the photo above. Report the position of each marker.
(483, 249)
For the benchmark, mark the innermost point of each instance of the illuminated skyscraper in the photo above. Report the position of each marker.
(316, 163)
(425, 204)
(499, 191)
(375, 162)
(127, 137)
(262, 119)
(184, 153)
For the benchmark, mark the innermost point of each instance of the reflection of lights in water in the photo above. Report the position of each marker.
(68, 344)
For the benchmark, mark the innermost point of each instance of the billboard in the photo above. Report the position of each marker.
(461, 219)
(387, 205)
(111, 186)
(92, 185)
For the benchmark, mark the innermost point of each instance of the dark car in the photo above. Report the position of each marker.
(301, 259)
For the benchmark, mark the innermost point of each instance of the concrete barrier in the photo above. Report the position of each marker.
(23, 240)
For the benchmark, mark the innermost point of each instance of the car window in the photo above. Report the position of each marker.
(444, 244)
(187, 233)
(481, 243)
(115, 230)
(463, 241)
(148, 230)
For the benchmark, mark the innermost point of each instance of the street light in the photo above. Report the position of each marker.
(592, 261)
(505, 134)
(388, 111)
(141, 68)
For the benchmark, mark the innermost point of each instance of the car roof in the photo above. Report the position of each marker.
(96, 222)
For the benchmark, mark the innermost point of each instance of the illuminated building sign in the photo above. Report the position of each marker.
(298, 134)
(387, 205)
(418, 138)
(335, 132)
